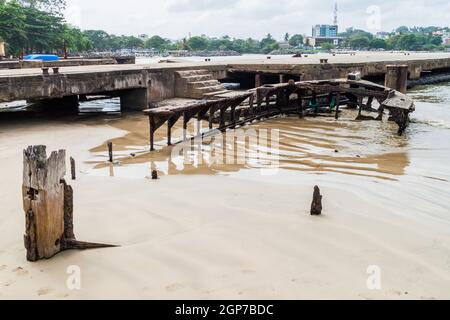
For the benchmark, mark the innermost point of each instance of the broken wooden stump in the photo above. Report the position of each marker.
(48, 205)
(316, 206)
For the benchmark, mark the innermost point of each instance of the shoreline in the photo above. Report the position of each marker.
(268, 247)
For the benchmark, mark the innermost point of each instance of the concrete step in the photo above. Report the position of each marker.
(210, 89)
(203, 77)
(188, 73)
(212, 94)
(202, 84)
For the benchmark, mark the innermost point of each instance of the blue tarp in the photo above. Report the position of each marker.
(42, 57)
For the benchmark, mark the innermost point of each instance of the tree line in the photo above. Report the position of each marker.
(403, 38)
(38, 26)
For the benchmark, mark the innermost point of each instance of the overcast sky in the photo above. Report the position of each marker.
(175, 19)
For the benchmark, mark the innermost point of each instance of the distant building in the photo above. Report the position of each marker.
(143, 37)
(382, 35)
(325, 31)
(319, 41)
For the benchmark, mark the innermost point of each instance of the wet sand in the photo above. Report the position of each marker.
(232, 232)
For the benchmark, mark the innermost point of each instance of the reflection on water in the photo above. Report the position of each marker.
(321, 145)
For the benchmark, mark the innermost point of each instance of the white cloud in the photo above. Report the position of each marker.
(247, 18)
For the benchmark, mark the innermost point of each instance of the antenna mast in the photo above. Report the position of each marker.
(335, 20)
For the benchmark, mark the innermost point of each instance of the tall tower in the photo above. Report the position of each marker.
(335, 19)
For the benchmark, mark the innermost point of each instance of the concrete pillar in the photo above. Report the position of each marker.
(136, 99)
(397, 77)
(258, 80)
(415, 72)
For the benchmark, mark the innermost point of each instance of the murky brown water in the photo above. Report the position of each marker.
(319, 145)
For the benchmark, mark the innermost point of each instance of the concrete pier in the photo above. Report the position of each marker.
(26, 64)
(141, 85)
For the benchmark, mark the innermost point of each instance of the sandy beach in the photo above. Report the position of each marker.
(231, 232)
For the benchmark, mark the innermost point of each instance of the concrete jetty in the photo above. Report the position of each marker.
(26, 64)
(141, 85)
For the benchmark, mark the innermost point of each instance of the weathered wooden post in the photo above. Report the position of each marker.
(300, 105)
(316, 206)
(73, 169)
(338, 105)
(110, 152)
(258, 80)
(48, 205)
(397, 77)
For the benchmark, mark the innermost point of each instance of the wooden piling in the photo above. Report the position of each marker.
(110, 152)
(73, 168)
(316, 206)
(151, 121)
(169, 133)
(360, 106)
(300, 106)
(258, 80)
(338, 105)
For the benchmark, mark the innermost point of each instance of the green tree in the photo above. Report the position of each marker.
(53, 6)
(100, 39)
(378, 44)
(268, 44)
(328, 46)
(296, 40)
(358, 42)
(44, 31)
(157, 42)
(402, 29)
(131, 42)
(75, 40)
(435, 40)
(223, 43)
(198, 43)
(12, 26)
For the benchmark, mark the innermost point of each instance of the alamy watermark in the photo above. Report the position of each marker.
(256, 148)
(73, 282)
(373, 22)
(374, 279)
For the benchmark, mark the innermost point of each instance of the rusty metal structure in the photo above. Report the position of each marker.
(304, 98)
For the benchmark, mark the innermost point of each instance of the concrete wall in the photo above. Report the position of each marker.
(25, 64)
(162, 85)
(60, 85)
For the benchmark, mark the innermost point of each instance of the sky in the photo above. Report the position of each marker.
(175, 19)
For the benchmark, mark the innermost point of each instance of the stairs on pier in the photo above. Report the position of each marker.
(197, 84)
